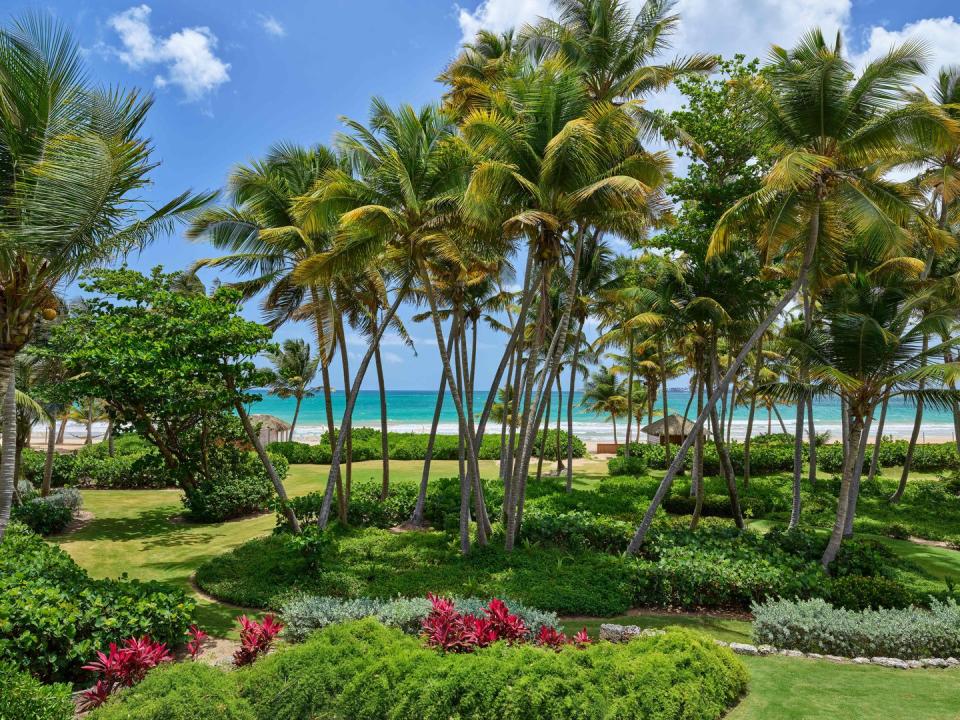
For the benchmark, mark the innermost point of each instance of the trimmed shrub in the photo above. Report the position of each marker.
(23, 697)
(576, 530)
(635, 465)
(240, 487)
(816, 626)
(54, 617)
(676, 675)
(179, 691)
(67, 497)
(713, 506)
(854, 592)
(44, 518)
(305, 614)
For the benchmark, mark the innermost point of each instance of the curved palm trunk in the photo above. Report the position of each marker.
(915, 435)
(783, 425)
(296, 414)
(384, 438)
(626, 435)
(843, 505)
(696, 472)
(416, 519)
(507, 410)
(9, 449)
(733, 406)
(875, 460)
(62, 432)
(333, 478)
(343, 491)
(573, 379)
(812, 443)
(663, 389)
(722, 452)
(559, 416)
(613, 418)
(48, 460)
(758, 368)
(772, 315)
(857, 474)
(267, 465)
(543, 440)
(797, 463)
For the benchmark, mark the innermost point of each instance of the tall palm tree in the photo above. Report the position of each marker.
(604, 394)
(265, 243)
(72, 162)
(833, 133)
(294, 370)
(408, 177)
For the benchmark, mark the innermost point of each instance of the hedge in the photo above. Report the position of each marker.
(54, 617)
(365, 671)
(23, 697)
(412, 446)
(817, 626)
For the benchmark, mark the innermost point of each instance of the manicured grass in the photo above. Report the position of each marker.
(719, 627)
(797, 689)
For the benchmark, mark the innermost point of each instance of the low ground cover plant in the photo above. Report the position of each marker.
(303, 614)
(121, 666)
(816, 626)
(54, 617)
(256, 638)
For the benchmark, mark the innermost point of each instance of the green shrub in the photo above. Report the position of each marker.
(576, 530)
(54, 617)
(635, 465)
(23, 697)
(67, 497)
(854, 592)
(239, 486)
(816, 626)
(365, 671)
(179, 691)
(713, 506)
(44, 518)
(32, 463)
(304, 614)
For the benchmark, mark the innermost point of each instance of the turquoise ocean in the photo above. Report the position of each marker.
(412, 411)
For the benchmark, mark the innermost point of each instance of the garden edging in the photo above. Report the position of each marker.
(623, 633)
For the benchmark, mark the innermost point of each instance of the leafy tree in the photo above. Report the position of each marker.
(604, 393)
(167, 363)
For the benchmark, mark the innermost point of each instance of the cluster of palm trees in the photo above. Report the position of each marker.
(825, 273)
(819, 278)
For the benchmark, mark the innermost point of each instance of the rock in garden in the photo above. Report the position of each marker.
(744, 649)
(611, 632)
(890, 663)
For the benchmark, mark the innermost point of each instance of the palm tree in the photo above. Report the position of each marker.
(294, 371)
(266, 243)
(72, 160)
(833, 134)
(604, 394)
(409, 174)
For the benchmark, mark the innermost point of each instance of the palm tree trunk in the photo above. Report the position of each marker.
(343, 491)
(559, 417)
(48, 460)
(573, 380)
(325, 357)
(110, 439)
(663, 389)
(384, 438)
(9, 450)
(333, 478)
(797, 463)
(296, 414)
(758, 368)
(812, 442)
(479, 502)
(836, 537)
(512, 439)
(626, 436)
(416, 519)
(857, 472)
(723, 453)
(696, 472)
(769, 420)
(61, 433)
(772, 315)
(613, 418)
(844, 426)
(543, 440)
(915, 435)
(733, 406)
(875, 459)
(88, 440)
(267, 464)
(504, 420)
(783, 425)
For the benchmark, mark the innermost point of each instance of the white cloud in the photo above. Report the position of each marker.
(271, 25)
(941, 36)
(187, 56)
(391, 357)
(499, 15)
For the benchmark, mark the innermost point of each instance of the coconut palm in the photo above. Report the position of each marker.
(604, 393)
(294, 370)
(72, 160)
(832, 133)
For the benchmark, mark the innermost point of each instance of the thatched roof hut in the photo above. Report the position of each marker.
(271, 428)
(673, 425)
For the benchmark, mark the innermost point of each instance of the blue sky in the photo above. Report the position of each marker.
(232, 78)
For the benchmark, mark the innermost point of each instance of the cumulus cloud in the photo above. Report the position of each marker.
(272, 26)
(499, 15)
(940, 36)
(187, 56)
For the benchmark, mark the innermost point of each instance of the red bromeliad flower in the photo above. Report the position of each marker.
(507, 627)
(255, 638)
(122, 666)
(548, 637)
(581, 638)
(195, 643)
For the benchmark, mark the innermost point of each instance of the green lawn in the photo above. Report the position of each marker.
(132, 533)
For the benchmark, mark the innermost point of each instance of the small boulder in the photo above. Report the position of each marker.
(744, 649)
(890, 663)
(611, 632)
